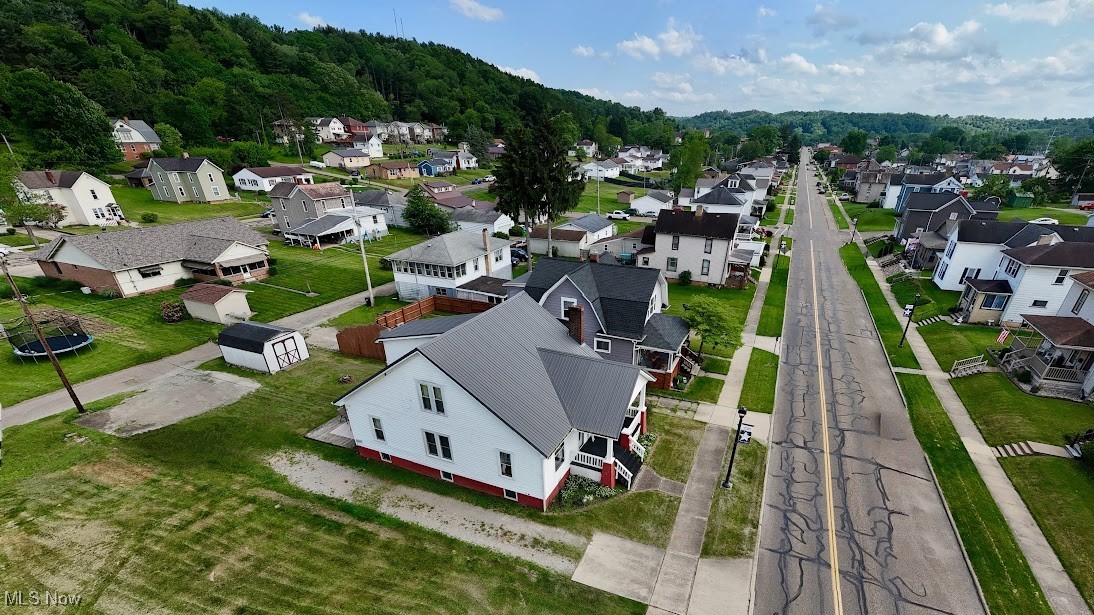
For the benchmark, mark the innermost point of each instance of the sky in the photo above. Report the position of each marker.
(1014, 58)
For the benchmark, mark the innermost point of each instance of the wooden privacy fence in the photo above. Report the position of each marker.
(432, 303)
(361, 341)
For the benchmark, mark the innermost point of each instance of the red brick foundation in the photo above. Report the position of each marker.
(607, 475)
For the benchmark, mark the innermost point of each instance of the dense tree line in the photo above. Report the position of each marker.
(209, 75)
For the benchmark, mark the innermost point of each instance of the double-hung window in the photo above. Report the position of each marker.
(1080, 301)
(505, 461)
(1012, 267)
(94, 195)
(675, 242)
(437, 445)
(378, 429)
(705, 270)
(567, 303)
(432, 400)
(1061, 276)
(671, 263)
(950, 248)
(708, 246)
(560, 456)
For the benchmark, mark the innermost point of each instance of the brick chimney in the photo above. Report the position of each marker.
(575, 315)
(698, 212)
(186, 154)
(489, 254)
(125, 118)
(50, 177)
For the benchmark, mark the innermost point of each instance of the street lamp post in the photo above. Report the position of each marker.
(733, 453)
(908, 312)
(854, 227)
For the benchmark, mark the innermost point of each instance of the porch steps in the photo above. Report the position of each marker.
(628, 459)
(931, 320)
(1021, 449)
(1018, 449)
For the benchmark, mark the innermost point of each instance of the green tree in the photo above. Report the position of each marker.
(751, 150)
(687, 159)
(170, 139)
(793, 147)
(951, 134)
(886, 153)
(478, 141)
(995, 151)
(1075, 162)
(822, 156)
(1039, 187)
(423, 216)
(854, 142)
(249, 154)
(712, 321)
(534, 177)
(23, 208)
(994, 185)
(767, 138)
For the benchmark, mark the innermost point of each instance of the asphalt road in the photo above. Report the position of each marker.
(846, 479)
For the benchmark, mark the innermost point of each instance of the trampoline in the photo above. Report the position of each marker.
(63, 334)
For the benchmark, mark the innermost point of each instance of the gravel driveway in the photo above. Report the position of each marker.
(486, 528)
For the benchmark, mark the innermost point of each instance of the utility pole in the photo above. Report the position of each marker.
(38, 333)
(364, 259)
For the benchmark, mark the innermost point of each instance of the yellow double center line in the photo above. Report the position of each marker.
(833, 550)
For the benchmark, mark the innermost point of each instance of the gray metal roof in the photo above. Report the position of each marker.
(426, 326)
(470, 214)
(720, 195)
(185, 165)
(377, 197)
(449, 249)
(320, 226)
(591, 222)
(349, 153)
(198, 240)
(665, 332)
(594, 392)
(142, 128)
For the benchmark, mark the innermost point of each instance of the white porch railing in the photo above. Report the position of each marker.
(965, 367)
(624, 473)
(638, 449)
(586, 459)
(633, 411)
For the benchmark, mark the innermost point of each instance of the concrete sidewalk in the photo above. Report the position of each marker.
(1058, 587)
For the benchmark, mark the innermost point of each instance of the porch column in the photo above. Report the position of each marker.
(643, 427)
(607, 472)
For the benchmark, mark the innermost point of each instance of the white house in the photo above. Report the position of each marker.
(651, 203)
(217, 303)
(570, 243)
(715, 247)
(588, 148)
(373, 148)
(602, 169)
(438, 265)
(265, 178)
(472, 219)
(134, 137)
(347, 159)
(550, 408)
(598, 227)
(340, 225)
(261, 347)
(86, 199)
(328, 129)
(1039, 277)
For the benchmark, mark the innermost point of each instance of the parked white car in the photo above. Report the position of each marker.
(618, 215)
(489, 178)
(1045, 221)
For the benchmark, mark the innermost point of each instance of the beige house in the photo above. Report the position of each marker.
(392, 170)
(187, 180)
(347, 159)
(217, 303)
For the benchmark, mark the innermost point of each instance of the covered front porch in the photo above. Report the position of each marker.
(983, 301)
(663, 351)
(614, 461)
(1057, 351)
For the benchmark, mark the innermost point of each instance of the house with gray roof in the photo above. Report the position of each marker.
(474, 219)
(187, 180)
(393, 205)
(134, 137)
(651, 203)
(439, 265)
(622, 306)
(148, 259)
(84, 198)
(345, 225)
(927, 219)
(297, 204)
(347, 159)
(598, 227)
(508, 402)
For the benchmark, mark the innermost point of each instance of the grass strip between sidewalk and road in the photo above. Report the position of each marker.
(735, 513)
(841, 222)
(889, 328)
(1001, 568)
(771, 315)
(758, 390)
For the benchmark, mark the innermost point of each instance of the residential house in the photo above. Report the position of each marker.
(486, 289)
(139, 177)
(928, 218)
(353, 127)
(570, 243)
(86, 199)
(621, 317)
(892, 191)
(651, 203)
(626, 165)
(871, 186)
(187, 180)
(459, 159)
(845, 162)
(395, 169)
(393, 205)
(472, 219)
(134, 137)
(436, 167)
(297, 204)
(684, 198)
(974, 247)
(551, 407)
(438, 188)
(913, 183)
(372, 146)
(285, 131)
(495, 151)
(347, 159)
(597, 226)
(377, 129)
(590, 148)
(345, 225)
(148, 259)
(439, 265)
(328, 129)
(602, 169)
(712, 246)
(451, 201)
(265, 178)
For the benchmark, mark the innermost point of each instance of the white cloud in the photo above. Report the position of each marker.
(584, 51)
(639, 47)
(720, 65)
(633, 95)
(677, 42)
(935, 42)
(313, 21)
(796, 62)
(676, 87)
(594, 92)
(826, 19)
(475, 10)
(527, 73)
(843, 69)
(1052, 12)
(764, 11)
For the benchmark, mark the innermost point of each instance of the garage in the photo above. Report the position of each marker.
(262, 347)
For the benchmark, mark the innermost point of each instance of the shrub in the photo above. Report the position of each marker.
(385, 264)
(501, 235)
(579, 490)
(172, 311)
(150, 217)
(647, 439)
(1087, 451)
(953, 309)
(273, 271)
(517, 231)
(185, 282)
(11, 231)
(685, 277)
(1024, 376)
(108, 293)
(763, 260)
(271, 261)
(874, 205)
(554, 251)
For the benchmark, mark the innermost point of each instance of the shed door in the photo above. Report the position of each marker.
(286, 352)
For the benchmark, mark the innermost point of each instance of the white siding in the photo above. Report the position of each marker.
(242, 358)
(396, 348)
(690, 257)
(74, 256)
(1086, 312)
(983, 256)
(271, 356)
(132, 283)
(476, 434)
(1036, 284)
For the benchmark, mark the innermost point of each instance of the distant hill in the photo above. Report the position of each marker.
(819, 126)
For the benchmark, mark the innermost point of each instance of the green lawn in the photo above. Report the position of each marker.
(363, 315)
(788, 219)
(870, 219)
(933, 301)
(774, 308)
(840, 221)
(949, 343)
(677, 440)
(1070, 218)
(480, 195)
(715, 365)
(735, 513)
(153, 521)
(758, 391)
(736, 302)
(626, 226)
(1000, 566)
(17, 240)
(1006, 414)
(876, 248)
(701, 388)
(1057, 492)
(888, 326)
(136, 201)
(608, 202)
